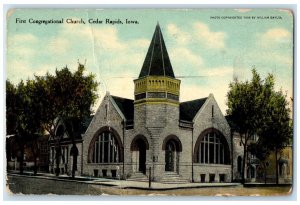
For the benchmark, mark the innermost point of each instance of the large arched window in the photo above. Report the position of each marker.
(106, 148)
(212, 149)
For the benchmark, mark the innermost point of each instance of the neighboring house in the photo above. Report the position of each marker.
(13, 154)
(65, 132)
(254, 167)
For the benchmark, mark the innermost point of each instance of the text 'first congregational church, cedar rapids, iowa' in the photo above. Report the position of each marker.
(177, 141)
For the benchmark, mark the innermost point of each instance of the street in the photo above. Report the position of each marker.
(34, 185)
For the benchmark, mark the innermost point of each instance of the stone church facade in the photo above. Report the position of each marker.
(155, 135)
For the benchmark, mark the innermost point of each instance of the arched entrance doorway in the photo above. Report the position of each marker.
(170, 156)
(139, 149)
(172, 147)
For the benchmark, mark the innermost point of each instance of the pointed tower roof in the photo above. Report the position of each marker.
(157, 61)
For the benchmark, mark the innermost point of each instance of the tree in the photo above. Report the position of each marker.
(246, 101)
(261, 151)
(276, 131)
(22, 116)
(65, 95)
(11, 108)
(34, 106)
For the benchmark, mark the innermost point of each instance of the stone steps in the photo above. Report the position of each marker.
(138, 176)
(173, 178)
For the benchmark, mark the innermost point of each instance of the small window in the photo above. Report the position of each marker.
(114, 173)
(202, 176)
(212, 111)
(95, 172)
(104, 172)
(211, 178)
(222, 177)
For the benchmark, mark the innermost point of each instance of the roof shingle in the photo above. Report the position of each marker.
(189, 109)
(126, 106)
(157, 61)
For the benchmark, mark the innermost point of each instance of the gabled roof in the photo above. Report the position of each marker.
(85, 123)
(232, 125)
(157, 61)
(189, 109)
(76, 128)
(126, 106)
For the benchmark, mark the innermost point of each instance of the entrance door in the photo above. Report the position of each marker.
(169, 158)
(142, 156)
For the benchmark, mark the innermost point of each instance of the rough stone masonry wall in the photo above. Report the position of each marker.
(238, 150)
(131, 166)
(203, 121)
(113, 120)
(156, 121)
(161, 121)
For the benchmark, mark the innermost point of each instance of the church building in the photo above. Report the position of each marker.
(155, 135)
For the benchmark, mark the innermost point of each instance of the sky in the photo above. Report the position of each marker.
(208, 48)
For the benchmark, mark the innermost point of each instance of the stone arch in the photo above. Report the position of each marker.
(135, 139)
(172, 147)
(175, 139)
(138, 148)
(222, 139)
(116, 136)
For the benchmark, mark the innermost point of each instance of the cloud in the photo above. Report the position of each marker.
(140, 43)
(186, 55)
(288, 11)
(123, 87)
(243, 10)
(277, 34)
(18, 70)
(199, 32)
(274, 37)
(194, 91)
(21, 45)
(107, 38)
(210, 38)
(218, 71)
(58, 45)
(178, 35)
(23, 38)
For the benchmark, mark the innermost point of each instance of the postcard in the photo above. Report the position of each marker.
(187, 102)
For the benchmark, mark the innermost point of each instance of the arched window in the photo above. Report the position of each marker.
(106, 149)
(213, 149)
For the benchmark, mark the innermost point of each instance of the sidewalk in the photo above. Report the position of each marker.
(123, 184)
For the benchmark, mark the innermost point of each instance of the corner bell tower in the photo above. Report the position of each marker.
(156, 91)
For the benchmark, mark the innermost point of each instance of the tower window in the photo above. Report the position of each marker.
(212, 111)
(172, 96)
(140, 96)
